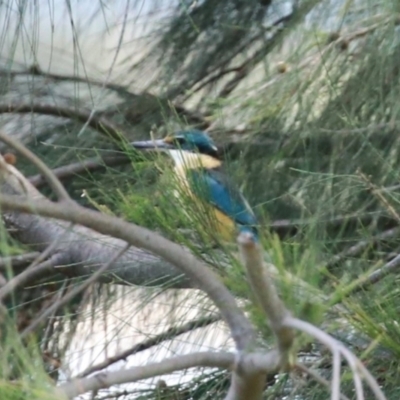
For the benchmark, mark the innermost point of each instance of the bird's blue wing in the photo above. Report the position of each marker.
(215, 187)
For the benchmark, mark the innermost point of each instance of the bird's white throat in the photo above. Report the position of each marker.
(187, 159)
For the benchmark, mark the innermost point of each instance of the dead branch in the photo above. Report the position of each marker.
(248, 367)
(34, 70)
(108, 379)
(339, 350)
(89, 165)
(99, 123)
(32, 273)
(82, 251)
(264, 290)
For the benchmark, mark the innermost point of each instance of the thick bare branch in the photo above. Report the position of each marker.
(71, 170)
(108, 379)
(242, 331)
(82, 251)
(175, 254)
(98, 123)
(264, 363)
(264, 290)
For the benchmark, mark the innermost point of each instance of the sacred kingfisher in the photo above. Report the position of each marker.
(199, 172)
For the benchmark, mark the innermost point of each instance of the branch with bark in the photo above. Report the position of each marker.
(250, 364)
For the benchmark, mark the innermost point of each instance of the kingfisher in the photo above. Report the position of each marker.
(199, 171)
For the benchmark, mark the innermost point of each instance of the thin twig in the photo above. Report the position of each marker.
(192, 116)
(30, 274)
(54, 183)
(69, 296)
(169, 334)
(98, 123)
(378, 194)
(357, 367)
(370, 128)
(317, 378)
(177, 255)
(70, 170)
(18, 261)
(360, 246)
(377, 275)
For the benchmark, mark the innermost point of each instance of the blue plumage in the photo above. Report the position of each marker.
(214, 187)
(206, 180)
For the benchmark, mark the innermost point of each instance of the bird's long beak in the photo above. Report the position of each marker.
(159, 144)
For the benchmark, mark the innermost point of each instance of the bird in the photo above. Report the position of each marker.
(200, 173)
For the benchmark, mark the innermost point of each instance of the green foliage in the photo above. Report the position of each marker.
(315, 149)
(22, 372)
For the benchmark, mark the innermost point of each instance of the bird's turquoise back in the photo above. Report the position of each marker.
(212, 186)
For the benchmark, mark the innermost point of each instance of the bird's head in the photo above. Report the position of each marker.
(190, 140)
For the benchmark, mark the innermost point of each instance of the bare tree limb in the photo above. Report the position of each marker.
(254, 361)
(35, 70)
(264, 290)
(204, 278)
(317, 378)
(53, 182)
(96, 122)
(30, 274)
(91, 164)
(242, 331)
(82, 251)
(107, 379)
(358, 369)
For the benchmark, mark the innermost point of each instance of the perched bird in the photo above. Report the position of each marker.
(199, 172)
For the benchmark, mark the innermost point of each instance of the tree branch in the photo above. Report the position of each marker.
(100, 124)
(193, 117)
(264, 363)
(205, 279)
(106, 379)
(53, 182)
(264, 290)
(356, 366)
(82, 251)
(91, 164)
